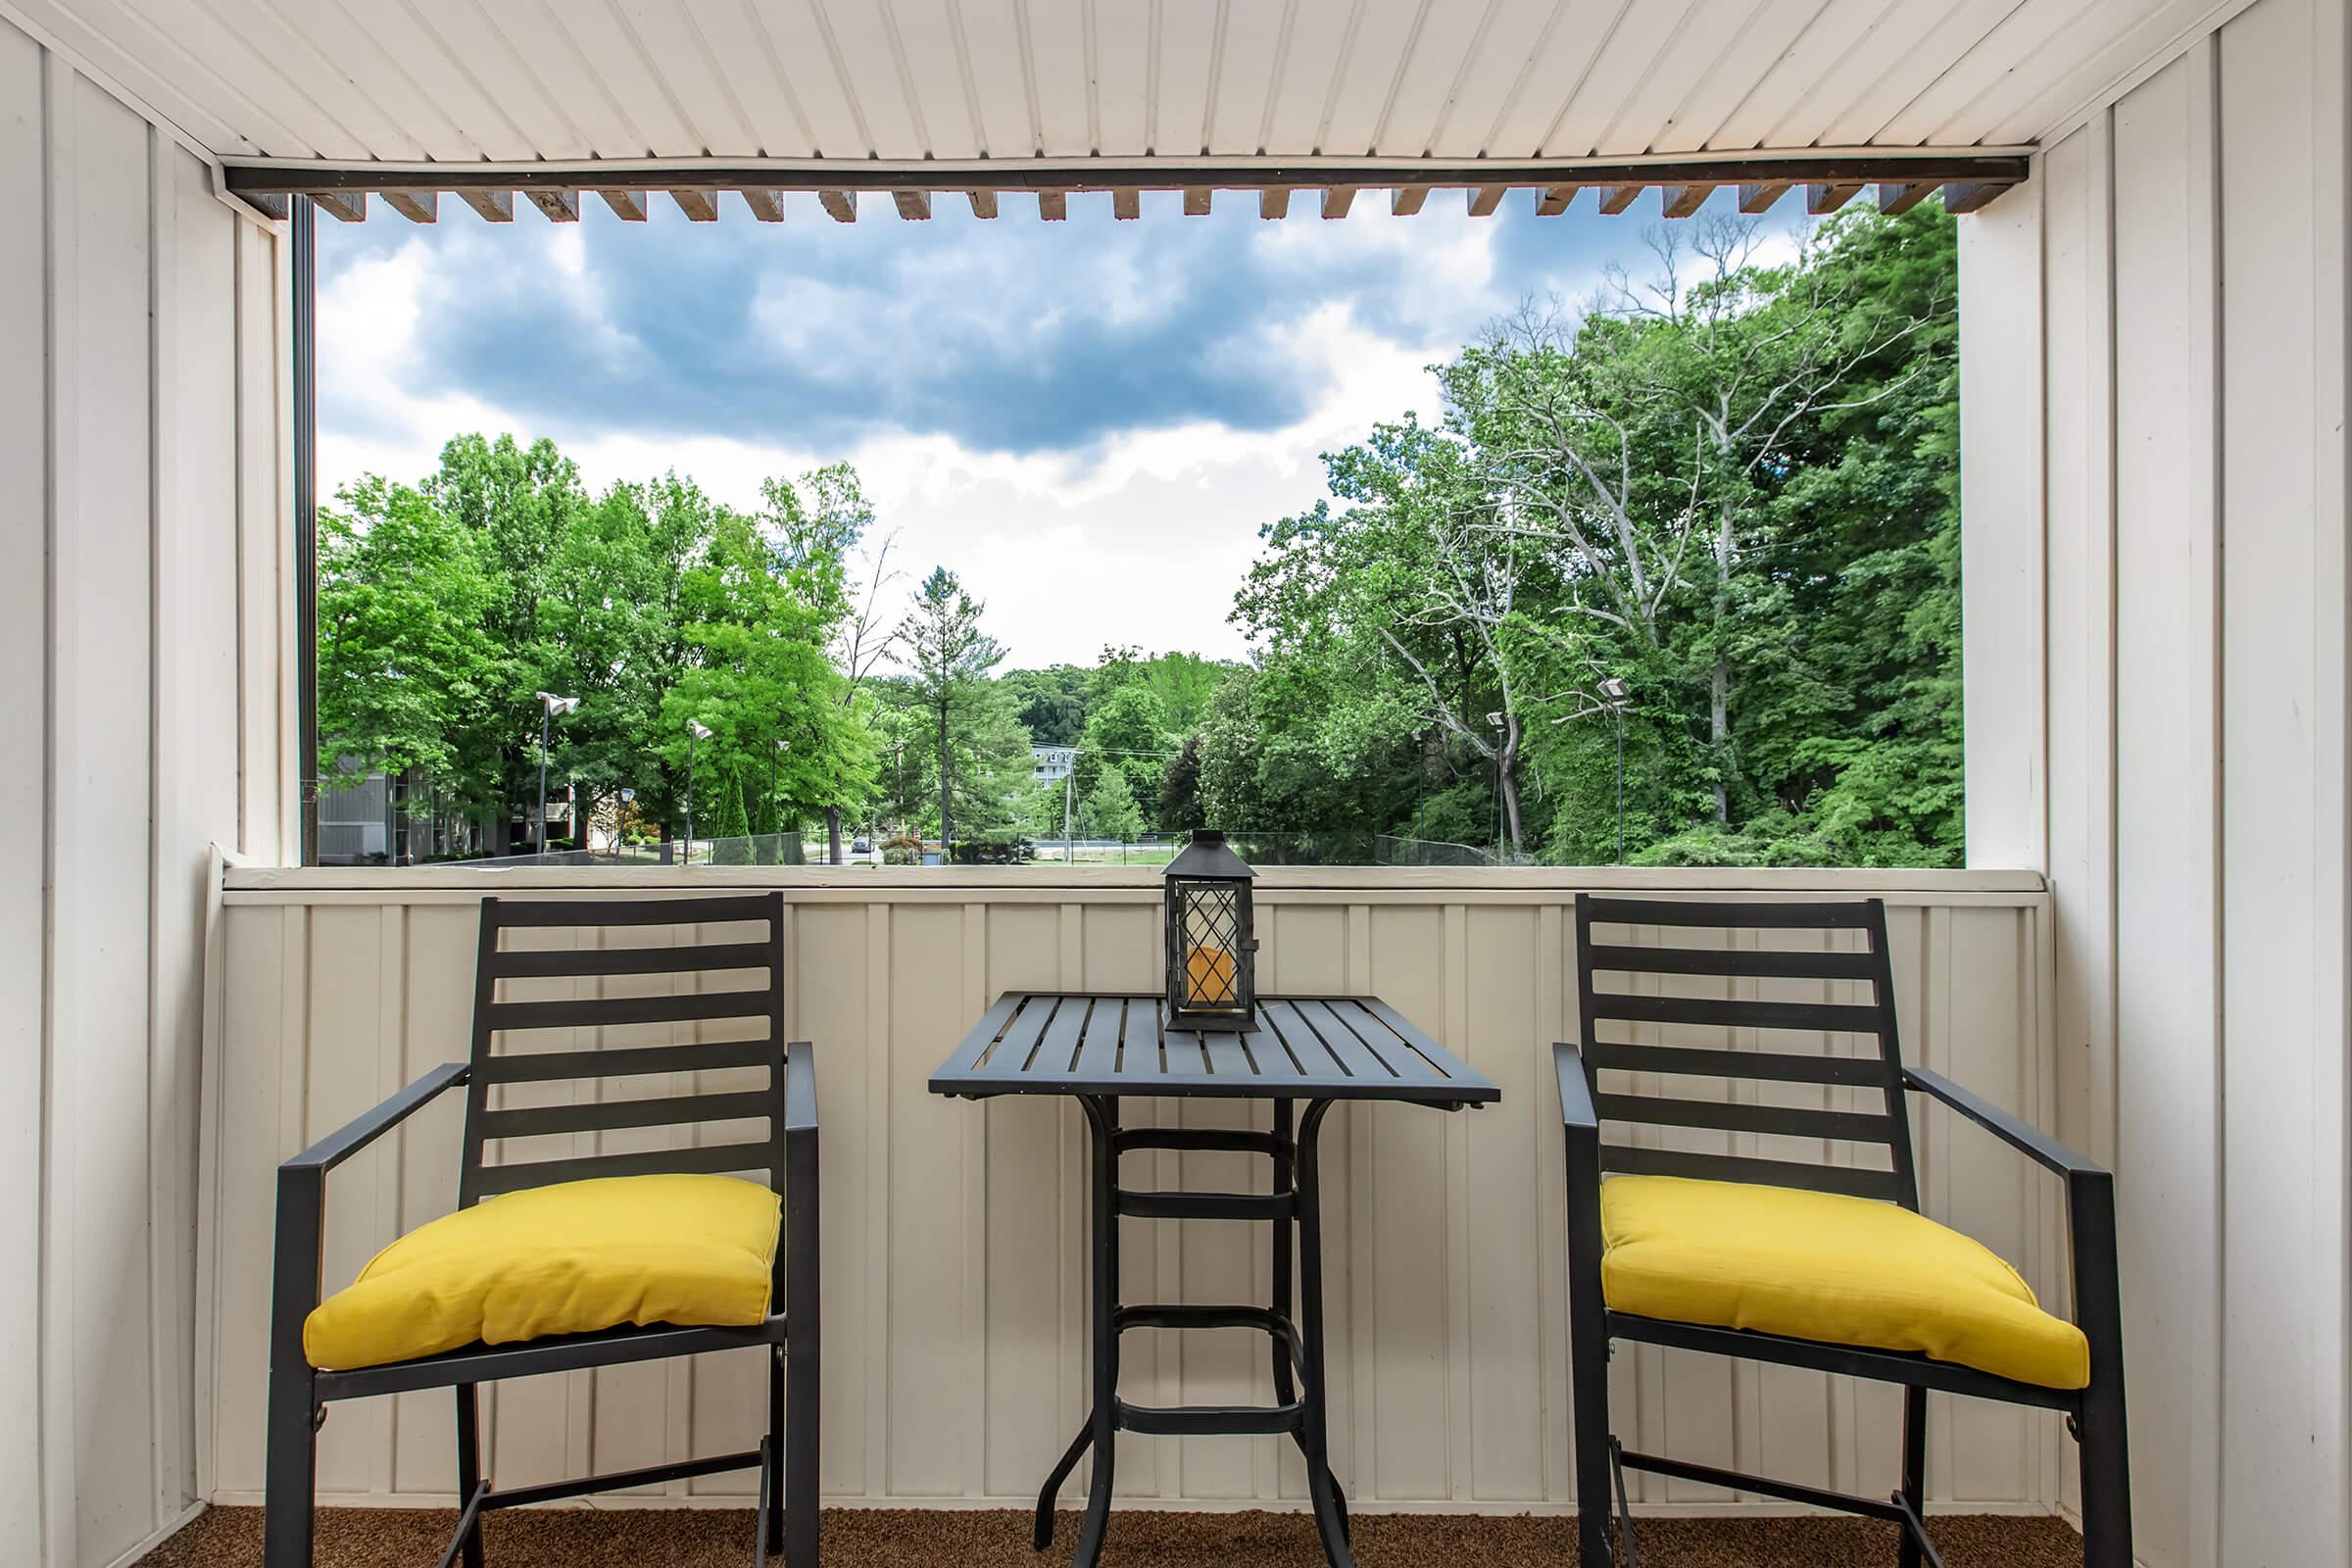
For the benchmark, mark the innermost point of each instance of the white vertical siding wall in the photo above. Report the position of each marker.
(2186, 250)
(954, 1234)
(140, 510)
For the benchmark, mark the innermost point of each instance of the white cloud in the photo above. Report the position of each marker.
(1141, 538)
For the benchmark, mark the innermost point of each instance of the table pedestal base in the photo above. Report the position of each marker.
(1296, 1344)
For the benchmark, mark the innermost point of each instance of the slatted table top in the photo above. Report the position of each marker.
(1303, 1048)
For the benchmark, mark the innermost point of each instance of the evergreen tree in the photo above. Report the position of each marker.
(949, 657)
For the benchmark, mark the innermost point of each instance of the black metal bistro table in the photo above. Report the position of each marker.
(1101, 1049)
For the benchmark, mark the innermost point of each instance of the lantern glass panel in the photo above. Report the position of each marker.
(1211, 914)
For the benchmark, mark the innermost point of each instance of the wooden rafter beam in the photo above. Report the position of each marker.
(1967, 196)
(351, 206)
(1617, 198)
(699, 205)
(1337, 200)
(417, 206)
(310, 176)
(1274, 202)
(914, 204)
(1554, 200)
(1967, 176)
(559, 206)
(1823, 198)
(627, 204)
(767, 206)
(984, 203)
(1126, 202)
(493, 206)
(1895, 199)
(1759, 198)
(1681, 201)
(1053, 206)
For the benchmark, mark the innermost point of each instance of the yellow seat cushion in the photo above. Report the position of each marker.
(1818, 1267)
(567, 1258)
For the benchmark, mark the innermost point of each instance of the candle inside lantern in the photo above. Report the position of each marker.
(1208, 972)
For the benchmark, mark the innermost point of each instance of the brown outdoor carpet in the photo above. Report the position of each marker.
(900, 1537)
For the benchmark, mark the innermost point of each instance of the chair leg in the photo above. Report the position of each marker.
(1588, 1373)
(1915, 1468)
(2106, 1478)
(1589, 1380)
(291, 1474)
(469, 1466)
(800, 1507)
(771, 1455)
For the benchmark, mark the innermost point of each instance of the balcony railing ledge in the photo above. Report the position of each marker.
(1349, 884)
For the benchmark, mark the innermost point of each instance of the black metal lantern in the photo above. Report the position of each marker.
(1213, 939)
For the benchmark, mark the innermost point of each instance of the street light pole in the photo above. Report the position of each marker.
(550, 705)
(1616, 691)
(695, 731)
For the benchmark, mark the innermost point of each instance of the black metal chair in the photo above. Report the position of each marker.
(787, 1456)
(2094, 1412)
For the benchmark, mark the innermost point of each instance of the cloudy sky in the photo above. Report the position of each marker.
(1086, 421)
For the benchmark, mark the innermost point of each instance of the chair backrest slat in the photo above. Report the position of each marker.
(605, 1116)
(618, 1062)
(1770, 963)
(1743, 1116)
(560, 962)
(1851, 1181)
(1760, 1083)
(755, 1010)
(595, 1012)
(713, 1159)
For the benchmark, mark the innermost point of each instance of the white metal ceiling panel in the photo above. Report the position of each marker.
(1123, 41)
(1507, 36)
(1248, 48)
(1707, 95)
(1427, 76)
(527, 81)
(746, 56)
(1387, 32)
(1058, 46)
(1310, 62)
(1177, 124)
(1886, 66)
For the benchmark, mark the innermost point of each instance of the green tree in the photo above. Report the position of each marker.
(1736, 492)
(949, 657)
(1111, 811)
(1180, 790)
(1127, 739)
(403, 651)
(758, 612)
(520, 503)
(1052, 702)
(1183, 683)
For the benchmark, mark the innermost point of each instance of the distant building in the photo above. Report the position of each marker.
(1053, 764)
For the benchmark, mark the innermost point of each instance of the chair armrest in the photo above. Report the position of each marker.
(2034, 1144)
(800, 1258)
(302, 1211)
(2089, 1215)
(1576, 1089)
(800, 1088)
(346, 1141)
